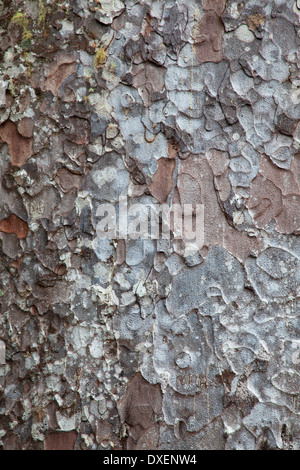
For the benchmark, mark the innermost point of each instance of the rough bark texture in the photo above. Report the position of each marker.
(137, 344)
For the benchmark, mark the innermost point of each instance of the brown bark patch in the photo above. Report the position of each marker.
(216, 5)
(162, 181)
(67, 180)
(14, 224)
(57, 72)
(25, 127)
(60, 441)
(19, 147)
(254, 21)
(149, 79)
(208, 38)
(139, 407)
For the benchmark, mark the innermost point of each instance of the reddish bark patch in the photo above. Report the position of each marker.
(265, 201)
(208, 38)
(78, 131)
(19, 147)
(60, 441)
(149, 79)
(217, 5)
(162, 182)
(25, 127)
(275, 194)
(138, 410)
(196, 186)
(104, 431)
(14, 224)
(67, 180)
(57, 72)
(11, 442)
(288, 181)
(173, 149)
(289, 219)
(121, 252)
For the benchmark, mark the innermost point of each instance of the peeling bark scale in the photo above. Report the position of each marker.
(148, 343)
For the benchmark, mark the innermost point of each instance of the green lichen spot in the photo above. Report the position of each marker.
(43, 10)
(112, 66)
(100, 57)
(11, 88)
(21, 20)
